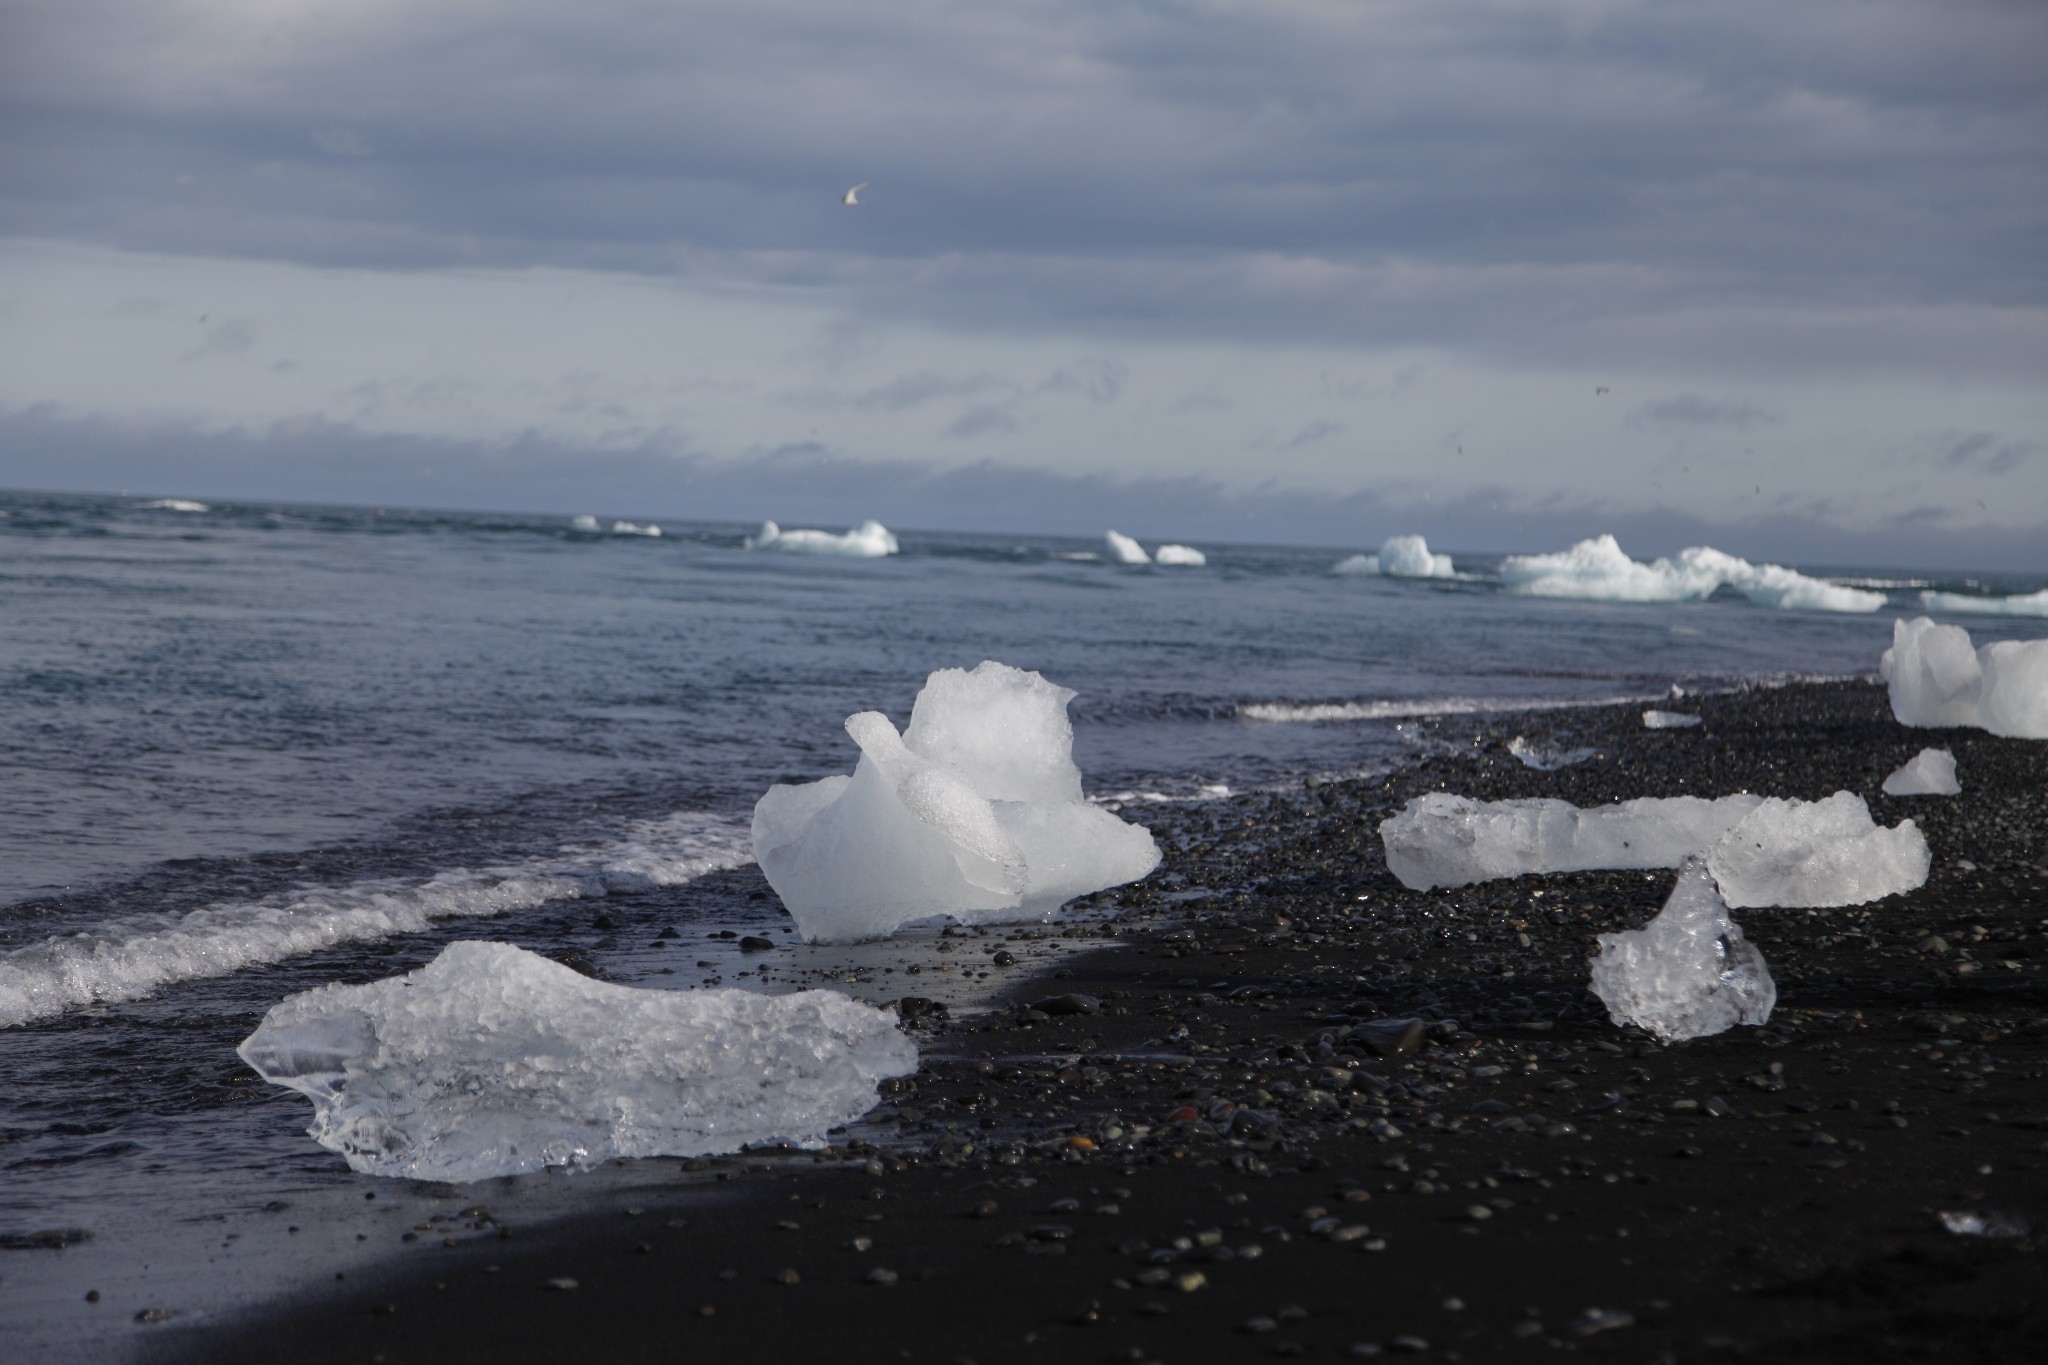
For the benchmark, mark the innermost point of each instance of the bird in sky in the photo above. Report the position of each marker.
(852, 196)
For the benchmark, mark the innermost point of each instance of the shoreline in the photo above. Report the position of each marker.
(1566, 1183)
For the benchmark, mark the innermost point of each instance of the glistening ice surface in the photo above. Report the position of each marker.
(1938, 679)
(491, 1060)
(1931, 772)
(974, 812)
(1687, 973)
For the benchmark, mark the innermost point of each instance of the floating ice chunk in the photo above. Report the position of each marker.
(1669, 720)
(1687, 973)
(1546, 760)
(869, 540)
(1598, 569)
(629, 528)
(491, 1060)
(176, 505)
(1931, 772)
(1937, 679)
(1763, 851)
(974, 812)
(1186, 555)
(1400, 557)
(1124, 550)
(2019, 604)
(585, 524)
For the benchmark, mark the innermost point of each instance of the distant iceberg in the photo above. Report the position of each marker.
(869, 540)
(1597, 569)
(628, 528)
(1186, 556)
(491, 1060)
(585, 524)
(1937, 679)
(1124, 550)
(1400, 557)
(176, 505)
(975, 812)
(2024, 604)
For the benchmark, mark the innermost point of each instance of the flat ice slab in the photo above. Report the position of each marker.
(869, 540)
(1762, 850)
(1937, 679)
(491, 1060)
(974, 812)
(1931, 772)
(1687, 973)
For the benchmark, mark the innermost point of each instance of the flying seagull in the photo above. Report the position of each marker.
(852, 196)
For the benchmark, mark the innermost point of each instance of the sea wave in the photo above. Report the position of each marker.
(131, 958)
(1313, 713)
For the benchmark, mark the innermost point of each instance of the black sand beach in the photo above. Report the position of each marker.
(1221, 1137)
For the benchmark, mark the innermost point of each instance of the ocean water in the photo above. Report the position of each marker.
(246, 749)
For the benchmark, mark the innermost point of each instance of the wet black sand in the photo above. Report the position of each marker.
(1229, 1151)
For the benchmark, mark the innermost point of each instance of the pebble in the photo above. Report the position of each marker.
(1601, 1320)
(882, 1276)
(560, 1283)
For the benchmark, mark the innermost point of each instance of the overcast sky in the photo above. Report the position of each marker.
(1772, 277)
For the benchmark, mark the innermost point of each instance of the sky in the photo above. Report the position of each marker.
(1500, 272)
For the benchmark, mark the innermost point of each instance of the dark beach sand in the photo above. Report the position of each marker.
(1261, 1172)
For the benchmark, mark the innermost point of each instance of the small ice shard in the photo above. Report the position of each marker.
(1967, 1223)
(1817, 853)
(1937, 679)
(869, 540)
(1762, 851)
(1186, 555)
(584, 524)
(975, 812)
(1931, 772)
(1669, 720)
(1687, 973)
(1400, 557)
(491, 1060)
(1124, 550)
(1531, 755)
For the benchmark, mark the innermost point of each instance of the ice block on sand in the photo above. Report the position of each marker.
(1931, 772)
(1763, 851)
(1687, 973)
(491, 1060)
(974, 812)
(1937, 679)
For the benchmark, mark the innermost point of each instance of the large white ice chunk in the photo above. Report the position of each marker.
(1763, 851)
(1124, 550)
(1817, 853)
(2019, 604)
(869, 540)
(1931, 772)
(1400, 557)
(1687, 973)
(1186, 556)
(1937, 679)
(1598, 569)
(491, 1060)
(974, 812)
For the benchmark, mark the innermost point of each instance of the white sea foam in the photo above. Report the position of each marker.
(1597, 569)
(869, 540)
(628, 528)
(1400, 557)
(176, 505)
(132, 958)
(2021, 604)
(1124, 550)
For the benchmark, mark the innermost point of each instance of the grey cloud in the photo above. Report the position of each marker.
(1979, 451)
(1313, 434)
(1097, 379)
(228, 336)
(979, 420)
(1408, 170)
(1692, 410)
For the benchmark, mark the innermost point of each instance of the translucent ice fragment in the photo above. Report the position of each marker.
(1937, 679)
(1687, 973)
(491, 1060)
(1762, 851)
(1531, 755)
(974, 812)
(1669, 720)
(1967, 1223)
(1931, 772)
